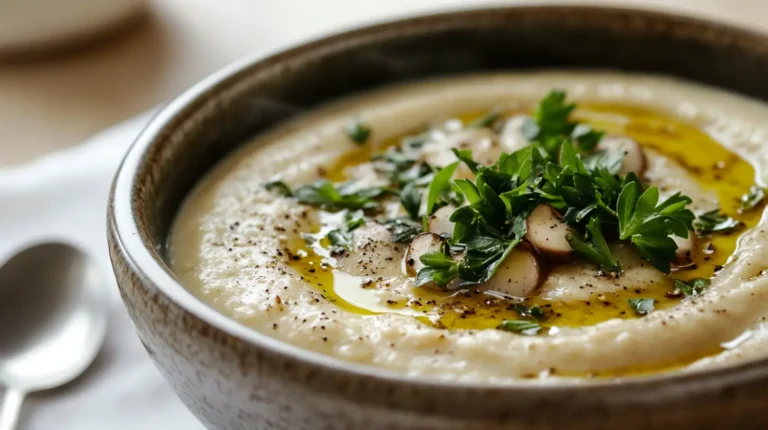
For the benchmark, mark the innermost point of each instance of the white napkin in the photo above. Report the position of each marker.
(63, 196)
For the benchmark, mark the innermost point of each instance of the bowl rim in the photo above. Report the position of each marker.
(137, 254)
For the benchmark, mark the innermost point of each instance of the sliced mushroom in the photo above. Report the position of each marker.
(580, 281)
(634, 157)
(440, 222)
(423, 243)
(483, 143)
(547, 233)
(686, 250)
(518, 276)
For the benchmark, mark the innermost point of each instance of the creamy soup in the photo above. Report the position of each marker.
(554, 226)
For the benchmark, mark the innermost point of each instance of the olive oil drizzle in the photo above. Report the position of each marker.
(711, 165)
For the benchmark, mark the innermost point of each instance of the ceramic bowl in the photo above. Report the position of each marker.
(232, 377)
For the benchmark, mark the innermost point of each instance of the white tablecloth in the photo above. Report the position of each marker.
(63, 196)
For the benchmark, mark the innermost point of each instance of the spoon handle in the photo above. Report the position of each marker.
(10, 408)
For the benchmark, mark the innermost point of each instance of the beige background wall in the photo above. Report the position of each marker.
(58, 100)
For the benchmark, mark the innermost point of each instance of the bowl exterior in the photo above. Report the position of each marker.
(229, 384)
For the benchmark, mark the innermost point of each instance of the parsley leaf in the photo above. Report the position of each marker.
(552, 115)
(465, 155)
(403, 229)
(594, 248)
(604, 162)
(585, 137)
(645, 216)
(693, 287)
(340, 240)
(280, 187)
(649, 224)
(524, 311)
(642, 306)
(354, 219)
(358, 131)
(714, 222)
(529, 328)
(327, 196)
(440, 185)
(410, 197)
(659, 251)
(438, 268)
(754, 197)
(551, 125)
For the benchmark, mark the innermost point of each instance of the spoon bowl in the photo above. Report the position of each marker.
(53, 319)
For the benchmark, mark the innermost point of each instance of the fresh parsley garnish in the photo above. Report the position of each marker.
(465, 156)
(525, 311)
(330, 197)
(340, 239)
(528, 328)
(754, 197)
(410, 198)
(440, 269)
(714, 222)
(642, 306)
(693, 287)
(354, 219)
(403, 229)
(607, 161)
(585, 137)
(440, 185)
(562, 168)
(648, 224)
(594, 248)
(358, 131)
(279, 187)
(551, 123)
(558, 170)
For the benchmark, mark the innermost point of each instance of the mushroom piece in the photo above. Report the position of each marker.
(440, 222)
(423, 243)
(634, 157)
(518, 276)
(686, 250)
(547, 233)
(481, 141)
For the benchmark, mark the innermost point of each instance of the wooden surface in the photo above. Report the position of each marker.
(59, 99)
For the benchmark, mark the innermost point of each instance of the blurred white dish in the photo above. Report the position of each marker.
(43, 23)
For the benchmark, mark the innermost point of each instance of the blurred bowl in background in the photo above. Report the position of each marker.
(46, 24)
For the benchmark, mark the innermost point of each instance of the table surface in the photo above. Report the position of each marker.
(58, 100)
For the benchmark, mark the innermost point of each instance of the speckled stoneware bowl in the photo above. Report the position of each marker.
(232, 377)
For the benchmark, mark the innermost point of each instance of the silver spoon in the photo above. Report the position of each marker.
(53, 318)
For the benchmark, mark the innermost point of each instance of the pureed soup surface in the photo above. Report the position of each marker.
(338, 274)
